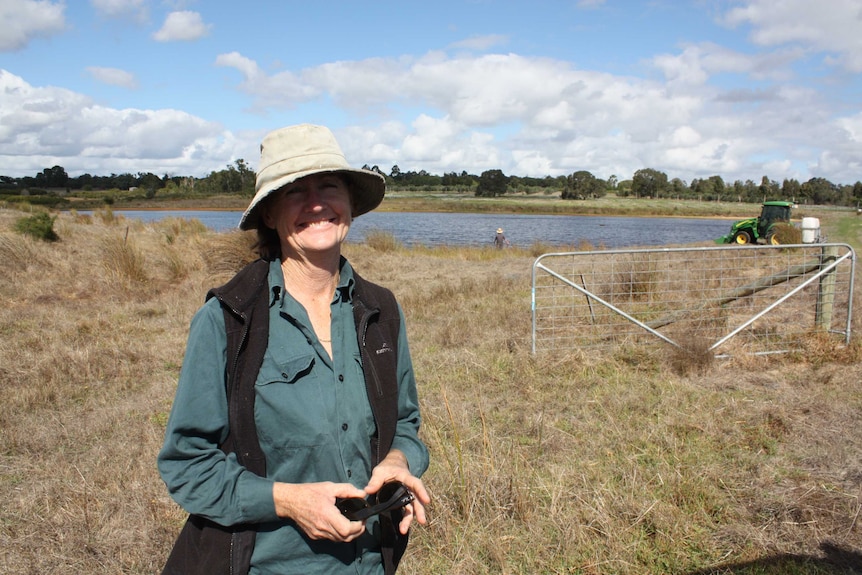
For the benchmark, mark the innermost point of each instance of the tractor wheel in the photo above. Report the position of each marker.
(772, 239)
(742, 238)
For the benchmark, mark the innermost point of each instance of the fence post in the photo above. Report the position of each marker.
(826, 290)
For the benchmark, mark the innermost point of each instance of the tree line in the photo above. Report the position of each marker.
(238, 178)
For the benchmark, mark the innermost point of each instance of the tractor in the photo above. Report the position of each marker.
(753, 230)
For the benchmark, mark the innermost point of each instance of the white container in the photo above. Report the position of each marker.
(810, 230)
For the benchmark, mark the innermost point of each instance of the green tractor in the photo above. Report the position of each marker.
(753, 230)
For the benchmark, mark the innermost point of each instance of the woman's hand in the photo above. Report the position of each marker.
(312, 507)
(394, 468)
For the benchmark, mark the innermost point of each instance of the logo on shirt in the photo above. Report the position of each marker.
(384, 349)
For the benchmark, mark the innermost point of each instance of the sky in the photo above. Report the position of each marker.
(736, 88)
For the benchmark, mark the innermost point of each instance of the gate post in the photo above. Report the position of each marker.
(826, 290)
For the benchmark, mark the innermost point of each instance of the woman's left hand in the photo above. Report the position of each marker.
(394, 468)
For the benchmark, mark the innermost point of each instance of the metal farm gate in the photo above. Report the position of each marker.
(727, 299)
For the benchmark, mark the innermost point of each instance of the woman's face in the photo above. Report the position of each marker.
(311, 215)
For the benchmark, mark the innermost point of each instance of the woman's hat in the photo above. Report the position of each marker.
(291, 153)
(499, 230)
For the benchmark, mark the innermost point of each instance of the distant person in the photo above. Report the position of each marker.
(293, 437)
(500, 240)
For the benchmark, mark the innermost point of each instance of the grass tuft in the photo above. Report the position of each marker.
(693, 357)
(227, 253)
(174, 228)
(382, 241)
(106, 216)
(123, 261)
(17, 253)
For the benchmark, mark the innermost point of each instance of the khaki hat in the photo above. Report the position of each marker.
(499, 230)
(291, 153)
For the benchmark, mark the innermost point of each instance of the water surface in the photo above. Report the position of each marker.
(431, 229)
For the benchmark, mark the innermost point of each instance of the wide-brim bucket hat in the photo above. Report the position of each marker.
(291, 153)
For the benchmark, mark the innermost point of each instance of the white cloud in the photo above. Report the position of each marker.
(246, 66)
(684, 136)
(363, 145)
(46, 126)
(281, 90)
(538, 116)
(853, 126)
(831, 27)
(113, 76)
(24, 20)
(182, 26)
(697, 64)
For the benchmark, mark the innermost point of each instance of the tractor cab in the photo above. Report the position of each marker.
(771, 213)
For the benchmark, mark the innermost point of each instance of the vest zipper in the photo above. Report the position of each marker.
(368, 364)
(366, 317)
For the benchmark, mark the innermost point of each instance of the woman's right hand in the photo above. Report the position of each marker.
(312, 507)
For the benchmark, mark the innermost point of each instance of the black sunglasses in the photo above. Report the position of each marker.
(393, 495)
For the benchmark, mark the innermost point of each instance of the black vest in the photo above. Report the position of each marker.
(204, 546)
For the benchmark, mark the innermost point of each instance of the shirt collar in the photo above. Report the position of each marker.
(344, 290)
(346, 283)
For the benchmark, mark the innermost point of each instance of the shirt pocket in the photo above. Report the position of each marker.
(287, 371)
(291, 406)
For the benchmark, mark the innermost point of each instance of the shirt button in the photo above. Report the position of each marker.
(344, 427)
(340, 377)
(349, 473)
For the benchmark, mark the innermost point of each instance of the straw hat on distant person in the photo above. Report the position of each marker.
(291, 153)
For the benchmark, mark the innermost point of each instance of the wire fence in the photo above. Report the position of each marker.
(727, 299)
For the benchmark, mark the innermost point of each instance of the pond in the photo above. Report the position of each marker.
(470, 229)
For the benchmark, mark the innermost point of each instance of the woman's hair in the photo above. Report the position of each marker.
(268, 245)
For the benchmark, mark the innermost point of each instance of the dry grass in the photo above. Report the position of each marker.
(632, 462)
(788, 234)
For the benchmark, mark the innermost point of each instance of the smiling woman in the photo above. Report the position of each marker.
(321, 403)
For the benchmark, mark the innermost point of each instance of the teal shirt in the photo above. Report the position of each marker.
(313, 420)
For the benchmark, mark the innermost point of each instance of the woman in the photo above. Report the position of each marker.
(500, 240)
(297, 389)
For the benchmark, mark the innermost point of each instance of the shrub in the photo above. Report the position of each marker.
(39, 226)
